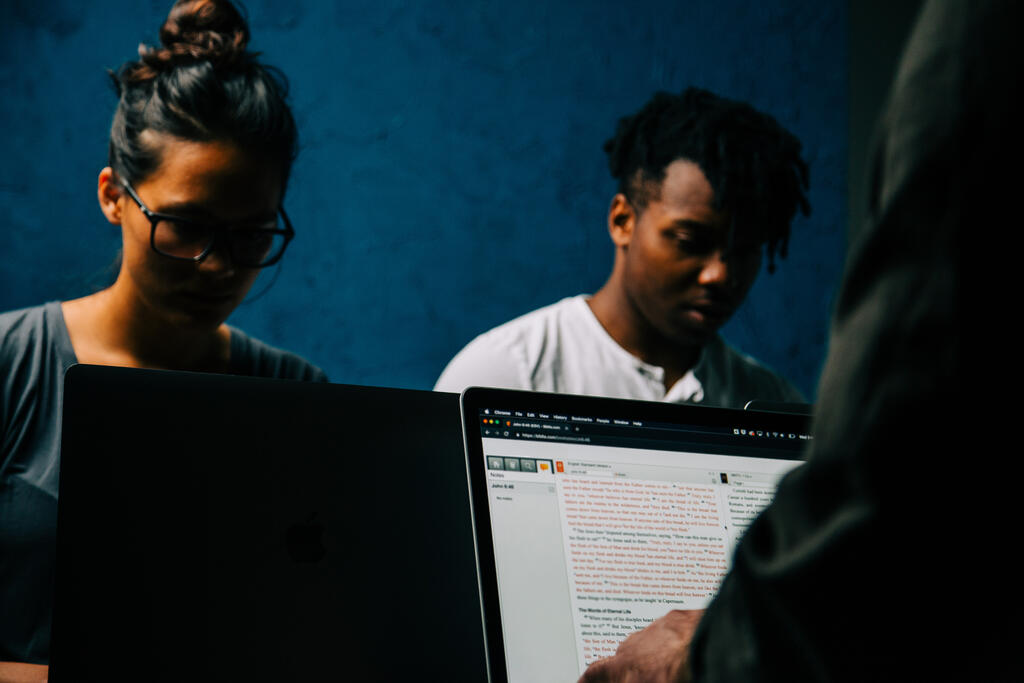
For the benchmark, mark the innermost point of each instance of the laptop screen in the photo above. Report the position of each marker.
(596, 516)
(225, 528)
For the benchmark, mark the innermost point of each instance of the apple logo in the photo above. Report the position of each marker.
(305, 540)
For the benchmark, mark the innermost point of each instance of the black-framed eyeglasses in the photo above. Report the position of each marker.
(189, 240)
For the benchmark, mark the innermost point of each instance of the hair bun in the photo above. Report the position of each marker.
(199, 30)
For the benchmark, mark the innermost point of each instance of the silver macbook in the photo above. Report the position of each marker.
(594, 516)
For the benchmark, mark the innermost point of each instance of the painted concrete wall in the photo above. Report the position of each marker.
(451, 173)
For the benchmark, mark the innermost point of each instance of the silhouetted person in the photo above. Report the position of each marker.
(886, 557)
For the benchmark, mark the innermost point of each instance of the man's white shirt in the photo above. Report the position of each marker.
(563, 348)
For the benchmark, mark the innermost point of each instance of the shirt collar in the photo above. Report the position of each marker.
(687, 388)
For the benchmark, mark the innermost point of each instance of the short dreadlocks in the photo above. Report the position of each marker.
(752, 163)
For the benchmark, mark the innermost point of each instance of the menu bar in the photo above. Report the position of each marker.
(751, 436)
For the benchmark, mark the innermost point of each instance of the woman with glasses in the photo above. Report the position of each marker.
(201, 147)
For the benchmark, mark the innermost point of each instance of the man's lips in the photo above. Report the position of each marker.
(707, 311)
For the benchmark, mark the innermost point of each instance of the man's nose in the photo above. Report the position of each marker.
(715, 270)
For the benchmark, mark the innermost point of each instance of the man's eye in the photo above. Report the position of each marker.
(692, 244)
(746, 250)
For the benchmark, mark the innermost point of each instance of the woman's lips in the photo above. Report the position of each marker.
(210, 298)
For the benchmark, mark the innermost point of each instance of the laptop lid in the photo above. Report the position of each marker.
(213, 527)
(594, 516)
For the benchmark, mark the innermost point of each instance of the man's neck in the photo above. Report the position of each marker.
(631, 330)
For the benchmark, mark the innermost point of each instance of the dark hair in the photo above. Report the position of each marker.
(201, 85)
(752, 163)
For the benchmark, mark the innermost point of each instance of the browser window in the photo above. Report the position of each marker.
(602, 525)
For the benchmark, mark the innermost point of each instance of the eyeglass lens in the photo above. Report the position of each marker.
(248, 246)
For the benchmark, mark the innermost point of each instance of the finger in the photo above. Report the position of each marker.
(597, 672)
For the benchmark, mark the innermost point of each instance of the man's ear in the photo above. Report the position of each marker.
(110, 193)
(621, 220)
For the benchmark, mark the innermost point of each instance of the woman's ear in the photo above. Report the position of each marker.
(109, 192)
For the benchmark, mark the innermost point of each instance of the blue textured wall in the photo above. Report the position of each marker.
(451, 173)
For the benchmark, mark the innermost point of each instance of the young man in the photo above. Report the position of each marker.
(705, 184)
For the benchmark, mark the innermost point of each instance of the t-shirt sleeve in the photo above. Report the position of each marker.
(252, 357)
(788, 393)
(485, 362)
(732, 378)
(761, 382)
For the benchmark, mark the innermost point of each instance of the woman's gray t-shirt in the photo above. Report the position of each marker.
(35, 351)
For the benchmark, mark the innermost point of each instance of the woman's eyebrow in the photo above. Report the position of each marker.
(196, 211)
(184, 209)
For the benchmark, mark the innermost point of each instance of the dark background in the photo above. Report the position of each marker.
(451, 175)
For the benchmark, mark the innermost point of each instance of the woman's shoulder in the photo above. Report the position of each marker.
(34, 353)
(25, 328)
(253, 357)
(24, 318)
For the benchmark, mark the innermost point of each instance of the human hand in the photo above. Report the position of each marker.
(657, 654)
(16, 672)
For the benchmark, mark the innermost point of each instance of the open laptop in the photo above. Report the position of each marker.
(219, 528)
(594, 516)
